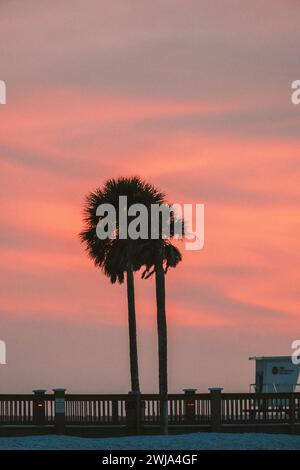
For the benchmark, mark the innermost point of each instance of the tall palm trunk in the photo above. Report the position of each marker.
(134, 369)
(162, 342)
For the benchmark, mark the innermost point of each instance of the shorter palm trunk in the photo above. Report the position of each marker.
(162, 345)
(134, 369)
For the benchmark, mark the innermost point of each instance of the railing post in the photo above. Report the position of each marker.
(189, 405)
(216, 408)
(292, 411)
(59, 410)
(39, 407)
(265, 407)
(133, 412)
(115, 412)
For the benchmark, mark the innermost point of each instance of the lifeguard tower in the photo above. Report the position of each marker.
(275, 374)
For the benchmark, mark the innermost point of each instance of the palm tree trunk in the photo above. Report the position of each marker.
(162, 343)
(134, 369)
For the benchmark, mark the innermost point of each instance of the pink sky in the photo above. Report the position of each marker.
(194, 96)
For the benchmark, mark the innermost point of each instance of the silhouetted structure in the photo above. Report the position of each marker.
(107, 415)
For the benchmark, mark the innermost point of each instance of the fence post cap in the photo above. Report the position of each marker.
(59, 389)
(189, 390)
(39, 391)
(215, 389)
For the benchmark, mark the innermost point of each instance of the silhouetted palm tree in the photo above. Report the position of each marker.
(158, 256)
(119, 256)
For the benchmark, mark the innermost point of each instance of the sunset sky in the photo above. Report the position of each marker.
(194, 96)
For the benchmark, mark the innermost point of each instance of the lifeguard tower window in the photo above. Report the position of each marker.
(275, 374)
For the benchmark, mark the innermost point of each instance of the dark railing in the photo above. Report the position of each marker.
(49, 409)
(203, 408)
(261, 408)
(214, 410)
(16, 409)
(95, 409)
(150, 409)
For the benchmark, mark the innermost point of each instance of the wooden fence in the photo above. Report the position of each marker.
(137, 413)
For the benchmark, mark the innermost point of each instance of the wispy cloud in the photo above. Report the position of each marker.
(197, 100)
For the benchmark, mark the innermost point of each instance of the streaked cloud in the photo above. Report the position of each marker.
(195, 97)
